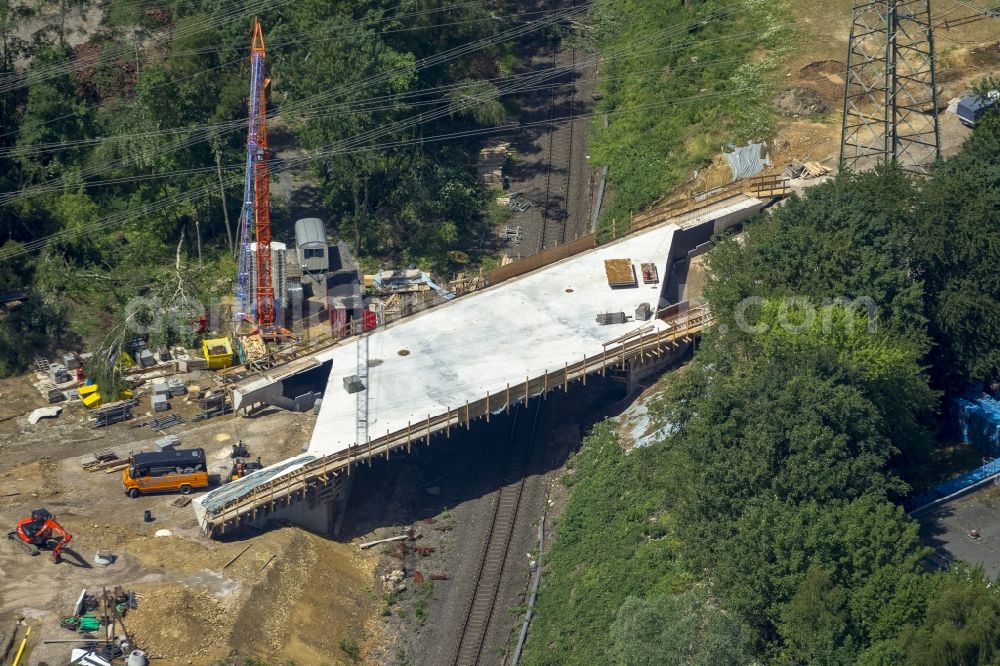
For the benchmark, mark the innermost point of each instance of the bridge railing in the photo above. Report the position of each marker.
(294, 485)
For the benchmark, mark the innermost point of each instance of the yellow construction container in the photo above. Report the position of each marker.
(218, 352)
(89, 396)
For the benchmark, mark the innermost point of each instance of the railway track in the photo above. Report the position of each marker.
(559, 154)
(483, 600)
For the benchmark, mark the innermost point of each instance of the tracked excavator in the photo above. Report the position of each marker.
(41, 532)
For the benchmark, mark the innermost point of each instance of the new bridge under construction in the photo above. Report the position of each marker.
(542, 325)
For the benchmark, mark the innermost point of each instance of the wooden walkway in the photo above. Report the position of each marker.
(315, 479)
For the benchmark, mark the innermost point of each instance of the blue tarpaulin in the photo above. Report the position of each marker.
(978, 422)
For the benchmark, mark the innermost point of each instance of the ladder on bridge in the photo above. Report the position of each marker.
(362, 395)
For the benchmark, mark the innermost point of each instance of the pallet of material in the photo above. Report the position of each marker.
(814, 170)
(112, 413)
(606, 318)
(103, 460)
(649, 274)
(620, 272)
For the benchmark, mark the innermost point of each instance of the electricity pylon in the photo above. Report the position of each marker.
(890, 94)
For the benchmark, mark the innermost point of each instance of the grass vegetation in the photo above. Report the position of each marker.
(614, 540)
(702, 73)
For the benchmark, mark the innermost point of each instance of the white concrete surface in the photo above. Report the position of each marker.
(481, 343)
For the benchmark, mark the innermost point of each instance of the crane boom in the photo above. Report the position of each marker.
(256, 213)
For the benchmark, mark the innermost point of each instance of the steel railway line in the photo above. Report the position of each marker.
(555, 209)
(480, 607)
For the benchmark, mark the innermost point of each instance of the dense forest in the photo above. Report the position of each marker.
(121, 157)
(768, 525)
(124, 154)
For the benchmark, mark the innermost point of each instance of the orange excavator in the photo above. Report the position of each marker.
(41, 532)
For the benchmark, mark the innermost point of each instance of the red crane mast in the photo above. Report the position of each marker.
(262, 198)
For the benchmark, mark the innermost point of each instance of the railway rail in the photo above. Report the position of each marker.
(559, 159)
(482, 602)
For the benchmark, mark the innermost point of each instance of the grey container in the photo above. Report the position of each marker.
(58, 374)
(146, 358)
(353, 384)
(176, 387)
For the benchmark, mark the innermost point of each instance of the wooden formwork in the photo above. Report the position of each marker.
(683, 326)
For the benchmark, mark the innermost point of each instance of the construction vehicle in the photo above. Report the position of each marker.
(242, 465)
(971, 110)
(173, 470)
(41, 532)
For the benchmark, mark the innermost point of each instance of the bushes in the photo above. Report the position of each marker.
(797, 427)
(613, 541)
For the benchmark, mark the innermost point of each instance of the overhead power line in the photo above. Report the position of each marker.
(437, 101)
(306, 103)
(340, 146)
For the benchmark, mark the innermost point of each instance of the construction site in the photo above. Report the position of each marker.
(358, 466)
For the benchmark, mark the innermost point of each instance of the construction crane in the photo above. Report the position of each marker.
(256, 215)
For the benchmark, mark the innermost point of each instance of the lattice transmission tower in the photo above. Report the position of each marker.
(890, 93)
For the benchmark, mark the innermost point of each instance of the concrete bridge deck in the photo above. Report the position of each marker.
(470, 358)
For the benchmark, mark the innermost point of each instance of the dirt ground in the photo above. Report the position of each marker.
(446, 492)
(290, 596)
(809, 93)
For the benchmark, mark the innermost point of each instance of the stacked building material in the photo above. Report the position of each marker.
(168, 442)
(112, 413)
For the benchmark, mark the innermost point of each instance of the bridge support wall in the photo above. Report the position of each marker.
(640, 370)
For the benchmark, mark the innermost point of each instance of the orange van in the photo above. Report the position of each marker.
(173, 470)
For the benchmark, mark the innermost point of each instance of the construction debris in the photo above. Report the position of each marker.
(491, 161)
(264, 566)
(236, 557)
(814, 170)
(43, 413)
(101, 460)
(104, 558)
(515, 201)
(806, 170)
(512, 236)
(369, 544)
